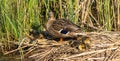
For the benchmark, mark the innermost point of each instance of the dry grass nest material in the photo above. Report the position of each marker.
(104, 46)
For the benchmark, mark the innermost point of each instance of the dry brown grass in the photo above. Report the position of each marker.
(105, 46)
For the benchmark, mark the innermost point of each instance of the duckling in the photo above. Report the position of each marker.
(85, 42)
(82, 43)
(84, 39)
(61, 28)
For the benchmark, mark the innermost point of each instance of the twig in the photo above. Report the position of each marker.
(87, 53)
(111, 55)
(98, 58)
(42, 54)
(104, 45)
(15, 50)
(31, 49)
(115, 59)
(17, 43)
(22, 42)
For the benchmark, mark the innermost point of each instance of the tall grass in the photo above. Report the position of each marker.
(17, 17)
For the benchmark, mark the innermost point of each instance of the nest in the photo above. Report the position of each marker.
(104, 46)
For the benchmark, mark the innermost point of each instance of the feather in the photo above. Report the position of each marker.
(64, 31)
(61, 27)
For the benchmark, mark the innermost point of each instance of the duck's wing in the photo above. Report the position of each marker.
(70, 26)
(64, 26)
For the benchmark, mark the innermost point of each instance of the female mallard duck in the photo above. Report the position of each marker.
(61, 28)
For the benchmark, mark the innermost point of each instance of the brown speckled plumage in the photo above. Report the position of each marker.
(54, 26)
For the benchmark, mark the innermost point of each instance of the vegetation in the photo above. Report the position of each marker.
(17, 17)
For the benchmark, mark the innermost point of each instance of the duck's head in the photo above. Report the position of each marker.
(51, 15)
(51, 19)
